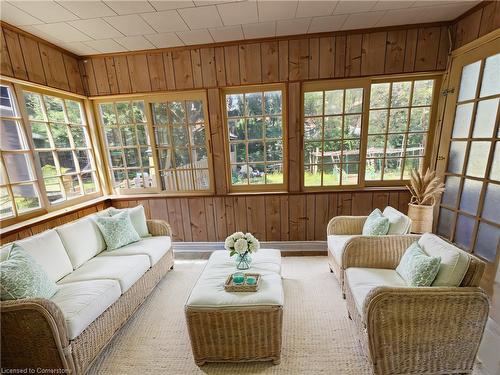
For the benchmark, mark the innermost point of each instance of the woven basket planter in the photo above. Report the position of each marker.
(421, 218)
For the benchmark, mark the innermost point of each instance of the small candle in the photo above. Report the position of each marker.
(238, 278)
(251, 280)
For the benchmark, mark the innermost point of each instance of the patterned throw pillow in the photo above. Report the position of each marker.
(417, 268)
(137, 217)
(22, 277)
(376, 224)
(117, 230)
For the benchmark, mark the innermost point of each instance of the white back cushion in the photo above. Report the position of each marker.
(48, 251)
(454, 262)
(399, 222)
(82, 240)
(138, 218)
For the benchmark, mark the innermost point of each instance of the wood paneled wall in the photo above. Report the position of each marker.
(477, 22)
(28, 58)
(335, 55)
(63, 218)
(271, 217)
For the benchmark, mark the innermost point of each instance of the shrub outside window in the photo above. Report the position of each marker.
(255, 137)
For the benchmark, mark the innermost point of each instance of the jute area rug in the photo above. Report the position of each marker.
(318, 337)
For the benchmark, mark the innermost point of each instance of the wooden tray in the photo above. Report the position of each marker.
(230, 286)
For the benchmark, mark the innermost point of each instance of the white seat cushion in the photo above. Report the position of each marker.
(48, 251)
(126, 270)
(82, 240)
(153, 247)
(209, 289)
(454, 262)
(336, 245)
(362, 280)
(83, 302)
(399, 222)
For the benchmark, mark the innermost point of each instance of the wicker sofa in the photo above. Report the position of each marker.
(404, 330)
(92, 302)
(345, 231)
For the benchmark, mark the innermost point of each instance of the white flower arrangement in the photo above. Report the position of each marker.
(241, 243)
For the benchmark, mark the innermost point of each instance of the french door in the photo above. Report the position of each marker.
(469, 155)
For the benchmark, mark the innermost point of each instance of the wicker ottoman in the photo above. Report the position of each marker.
(236, 327)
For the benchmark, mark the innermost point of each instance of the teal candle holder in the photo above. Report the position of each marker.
(251, 280)
(238, 278)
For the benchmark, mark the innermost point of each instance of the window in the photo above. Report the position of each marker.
(181, 145)
(158, 142)
(125, 126)
(255, 135)
(399, 122)
(60, 138)
(18, 188)
(366, 132)
(332, 136)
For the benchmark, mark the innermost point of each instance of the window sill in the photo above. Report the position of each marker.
(51, 215)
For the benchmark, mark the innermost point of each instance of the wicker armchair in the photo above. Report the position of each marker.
(345, 231)
(426, 330)
(34, 333)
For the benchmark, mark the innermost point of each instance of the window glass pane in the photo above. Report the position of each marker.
(47, 163)
(6, 209)
(238, 152)
(239, 174)
(379, 97)
(272, 102)
(237, 129)
(313, 103)
(71, 186)
(410, 164)
(89, 183)
(495, 166)
(274, 174)
(313, 128)
(400, 96)
(142, 135)
(255, 128)
(234, 105)
(398, 120)
(452, 185)
(40, 135)
(74, 110)
(11, 137)
(108, 115)
(257, 174)
(54, 107)
(487, 240)
(445, 224)
(124, 111)
(468, 84)
(177, 113)
(132, 157)
(138, 112)
(79, 136)
(463, 231)
(180, 135)
(256, 151)
(273, 127)
(333, 127)
(416, 144)
(201, 179)
(113, 136)
(18, 167)
(334, 102)
(26, 198)
(168, 181)
(274, 151)
(419, 119)
(485, 118)
(378, 121)
(491, 207)
(373, 169)
(353, 100)
(422, 92)
(54, 190)
(331, 174)
(456, 157)
(253, 104)
(66, 162)
(195, 111)
(160, 113)
(83, 157)
(478, 159)
(470, 196)
(7, 108)
(60, 135)
(350, 173)
(352, 126)
(491, 76)
(197, 135)
(312, 176)
(34, 106)
(128, 135)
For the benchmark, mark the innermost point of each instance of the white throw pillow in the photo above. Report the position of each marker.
(82, 240)
(454, 262)
(399, 223)
(137, 216)
(48, 251)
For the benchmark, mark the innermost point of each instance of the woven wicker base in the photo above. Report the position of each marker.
(235, 335)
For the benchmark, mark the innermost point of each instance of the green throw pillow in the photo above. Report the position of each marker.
(117, 230)
(417, 268)
(376, 224)
(22, 277)
(137, 216)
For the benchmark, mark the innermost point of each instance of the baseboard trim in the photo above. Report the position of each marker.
(286, 247)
